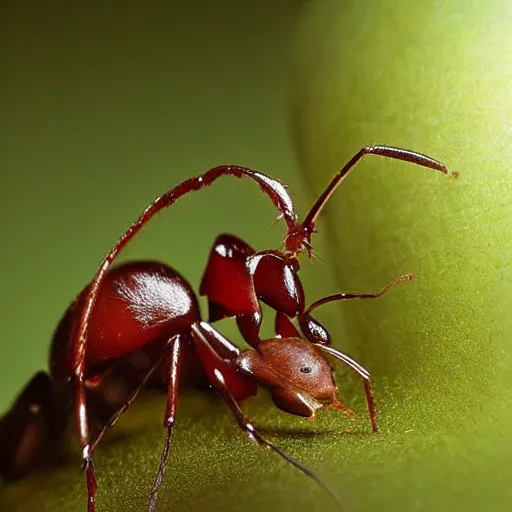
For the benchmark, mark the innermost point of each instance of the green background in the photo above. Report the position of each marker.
(108, 108)
(104, 108)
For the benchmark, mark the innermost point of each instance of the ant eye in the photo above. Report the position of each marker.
(306, 369)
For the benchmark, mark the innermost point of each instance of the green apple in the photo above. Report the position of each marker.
(434, 77)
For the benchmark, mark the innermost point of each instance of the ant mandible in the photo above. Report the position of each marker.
(148, 307)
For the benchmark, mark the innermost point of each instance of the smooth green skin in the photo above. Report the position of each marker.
(428, 78)
(433, 77)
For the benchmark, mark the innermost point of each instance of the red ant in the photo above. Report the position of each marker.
(148, 307)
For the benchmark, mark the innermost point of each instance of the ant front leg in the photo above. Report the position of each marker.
(176, 359)
(284, 327)
(234, 375)
(31, 430)
(218, 353)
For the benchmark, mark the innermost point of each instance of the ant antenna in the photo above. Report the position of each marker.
(364, 374)
(356, 367)
(345, 296)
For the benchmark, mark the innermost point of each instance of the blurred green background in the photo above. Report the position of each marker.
(104, 107)
(107, 105)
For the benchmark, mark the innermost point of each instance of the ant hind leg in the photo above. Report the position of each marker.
(32, 428)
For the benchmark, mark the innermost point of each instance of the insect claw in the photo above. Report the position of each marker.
(86, 458)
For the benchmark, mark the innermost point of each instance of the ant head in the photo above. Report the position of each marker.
(297, 375)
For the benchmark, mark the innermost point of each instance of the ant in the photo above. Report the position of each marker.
(147, 307)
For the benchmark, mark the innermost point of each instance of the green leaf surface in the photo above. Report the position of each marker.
(212, 464)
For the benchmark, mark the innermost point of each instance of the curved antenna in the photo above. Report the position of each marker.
(298, 239)
(345, 296)
(364, 374)
(271, 187)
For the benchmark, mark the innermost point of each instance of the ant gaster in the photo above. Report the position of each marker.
(148, 307)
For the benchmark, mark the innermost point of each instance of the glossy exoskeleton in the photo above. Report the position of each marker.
(139, 324)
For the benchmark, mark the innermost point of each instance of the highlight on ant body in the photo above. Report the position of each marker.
(148, 308)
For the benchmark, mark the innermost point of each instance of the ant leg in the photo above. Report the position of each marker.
(221, 346)
(385, 151)
(284, 327)
(364, 374)
(249, 326)
(142, 384)
(226, 385)
(315, 332)
(245, 424)
(83, 430)
(217, 353)
(172, 402)
(33, 426)
(298, 237)
(88, 447)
